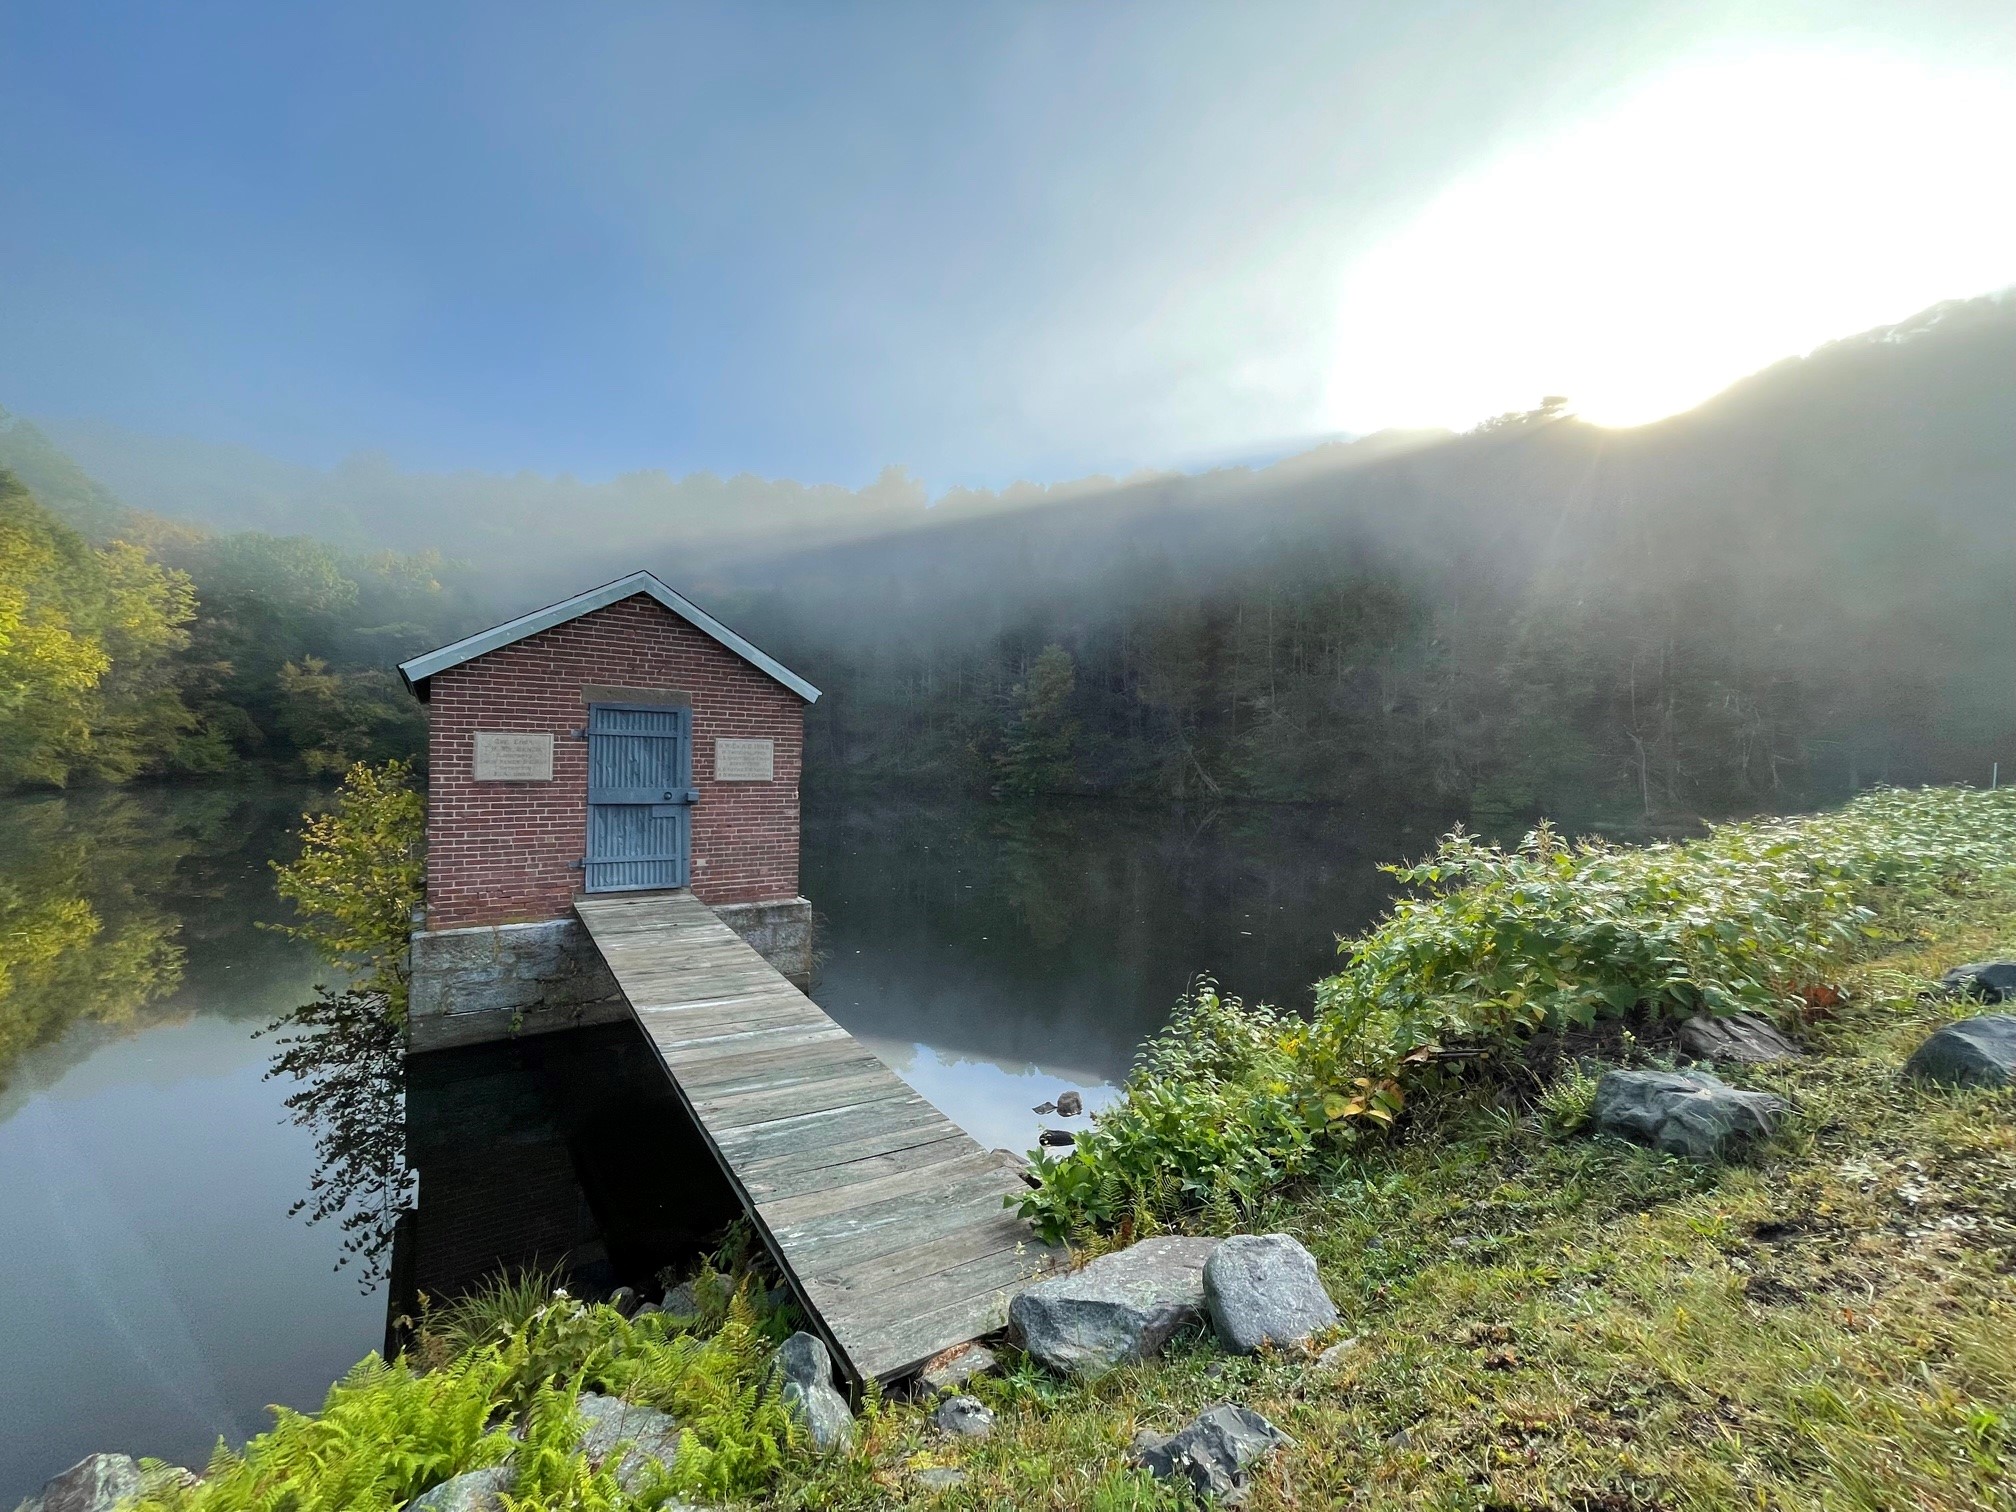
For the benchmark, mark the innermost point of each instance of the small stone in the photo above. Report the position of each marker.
(1070, 1105)
(956, 1367)
(1055, 1137)
(624, 1300)
(1972, 1052)
(804, 1371)
(96, 1483)
(963, 1417)
(646, 1309)
(471, 1491)
(1264, 1289)
(639, 1436)
(1123, 1306)
(1986, 981)
(939, 1477)
(1688, 1113)
(1214, 1452)
(1044, 1109)
(1337, 1355)
(1740, 1037)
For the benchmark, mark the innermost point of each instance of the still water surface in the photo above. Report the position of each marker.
(156, 1288)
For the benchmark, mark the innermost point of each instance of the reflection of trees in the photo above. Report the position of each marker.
(82, 936)
(348, 1055)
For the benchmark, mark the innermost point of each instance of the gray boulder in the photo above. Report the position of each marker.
(1123, 1306)
(803, 1371)
(963, 1417)
(635, 1437)
(1972, 1052)
(956, 1367)
(1987, 981)
(1213, 1452)
(96, 1483)
(1263, 1289)
(1740, 1037)
(681, 1301)
(471, 1491)
(1689, 1113)
(1070, 1105)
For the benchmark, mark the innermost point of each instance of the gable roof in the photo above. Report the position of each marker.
(420, 668)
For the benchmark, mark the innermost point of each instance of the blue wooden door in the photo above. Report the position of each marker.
(640, 797)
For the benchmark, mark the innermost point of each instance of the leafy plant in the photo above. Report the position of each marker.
(361, 873)
(1232, 1101)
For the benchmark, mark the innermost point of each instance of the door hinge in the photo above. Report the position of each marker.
(580, 866)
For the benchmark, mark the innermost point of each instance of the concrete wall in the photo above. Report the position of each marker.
(496, 981)
(508, 852)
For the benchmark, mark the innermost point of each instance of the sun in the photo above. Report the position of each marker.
(1729, 214)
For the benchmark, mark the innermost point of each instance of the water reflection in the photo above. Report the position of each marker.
(995, 956)
(347, 1056)
(156, 1294)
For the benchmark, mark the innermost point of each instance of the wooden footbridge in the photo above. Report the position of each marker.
(884, 1215)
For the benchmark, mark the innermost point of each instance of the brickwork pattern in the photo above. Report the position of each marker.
(505, 852)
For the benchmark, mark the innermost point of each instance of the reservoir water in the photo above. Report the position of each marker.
(159, 1284)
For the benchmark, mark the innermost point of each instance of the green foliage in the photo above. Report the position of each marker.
(86, 634)
(1493, 944)
(512, 1358)
(385, 1434)
(361, 873)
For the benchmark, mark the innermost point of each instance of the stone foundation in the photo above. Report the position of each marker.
(780, 931)
(498, 981)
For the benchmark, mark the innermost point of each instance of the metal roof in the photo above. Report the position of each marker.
(420, 668)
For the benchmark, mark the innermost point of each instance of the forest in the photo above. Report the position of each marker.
(1797, 590)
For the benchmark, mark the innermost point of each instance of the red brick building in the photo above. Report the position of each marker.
(622, 740)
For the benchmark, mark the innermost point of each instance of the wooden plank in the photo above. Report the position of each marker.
(886, 1216)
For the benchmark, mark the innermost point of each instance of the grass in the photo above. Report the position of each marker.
(1548, 1320)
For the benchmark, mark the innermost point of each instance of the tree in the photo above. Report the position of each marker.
(87, 637)
(1040, 753)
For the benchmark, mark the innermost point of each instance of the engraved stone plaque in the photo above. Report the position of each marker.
(514, 756)
(745, 760)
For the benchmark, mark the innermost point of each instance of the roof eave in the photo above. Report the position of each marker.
(416, 671)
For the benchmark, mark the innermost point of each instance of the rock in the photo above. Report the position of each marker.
(1971, 1052)
(963, 1417)
(1740, 1037)
(1688, 1113)
(1337, 1355)
(471, 1491)
(681, 1302)
(804, 1371)
(939, 1477)
(1988, 981)
(96, 1483)
(1263, 1289)
(1214, 1452)
(956, 1367)
(646, 1309)
(1056, 1137)
(624, 1300)
(1044, 1109)
(639, 1436)
(1070, 1105)
(1018, 1166)
(1122, 1306)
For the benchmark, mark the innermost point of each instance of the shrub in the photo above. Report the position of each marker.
(361, 873)
(1492, 944)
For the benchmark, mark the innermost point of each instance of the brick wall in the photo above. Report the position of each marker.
(502, 852)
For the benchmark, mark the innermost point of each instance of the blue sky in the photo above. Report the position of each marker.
(983, 242)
